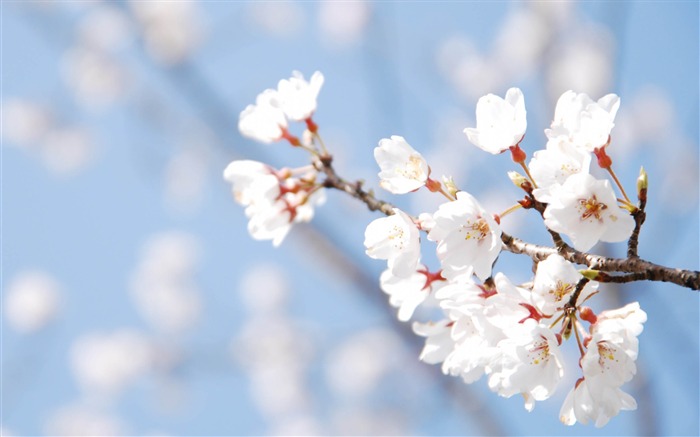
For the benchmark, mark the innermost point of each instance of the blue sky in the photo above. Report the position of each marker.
(169, 120)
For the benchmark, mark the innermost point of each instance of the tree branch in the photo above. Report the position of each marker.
(643, 270)
(638, 268)
(325, 164)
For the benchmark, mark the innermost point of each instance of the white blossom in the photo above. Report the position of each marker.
(529, 363)
(586, 210)
(508, 307)
(469, 239)
(553, 165)
(472, 350)
(500, 123)
(395, 239)
(407, 293)
(270, 221)
(591, 401)
(613, 347)
(274, 199)
(264, 121)
(555, 283)
(297, 97)
(587, 124)
(402, 168)
(438, 340)
(252, 181)
(473, 336)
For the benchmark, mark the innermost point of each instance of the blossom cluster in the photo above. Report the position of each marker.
(488, 326)
(276, 199)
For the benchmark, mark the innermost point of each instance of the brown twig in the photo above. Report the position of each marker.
(645, 270)
(325, 164)
(639, 216)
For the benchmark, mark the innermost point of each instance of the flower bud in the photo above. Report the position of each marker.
(642, 185)
(450, 185)
(590, 274)
(517, 179)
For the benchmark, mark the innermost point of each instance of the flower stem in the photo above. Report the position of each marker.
(619, 185)
(510, 210)
(527, 172)
(561, 316)
(578, 337)
(324, 151)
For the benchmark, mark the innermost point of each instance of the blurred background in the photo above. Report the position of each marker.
(135, 302)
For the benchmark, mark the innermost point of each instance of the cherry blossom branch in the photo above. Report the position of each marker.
(325, 164)
(640, 269)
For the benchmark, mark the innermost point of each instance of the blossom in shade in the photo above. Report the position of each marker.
(395, 239)
(297, 97)
(264, 121)
(438, 340)
(407, 293)
(585, 209)
(591, 401)
(469, 239)
(553, 165)
(555, 283)
(458, 343)
(529, 363)
(613, 347)
(402, 168)
(587, 124)
(608, 363)
(500, 123)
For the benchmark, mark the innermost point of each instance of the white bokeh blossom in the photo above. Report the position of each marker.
(264, 121)
(31, 300)
(297, 97)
